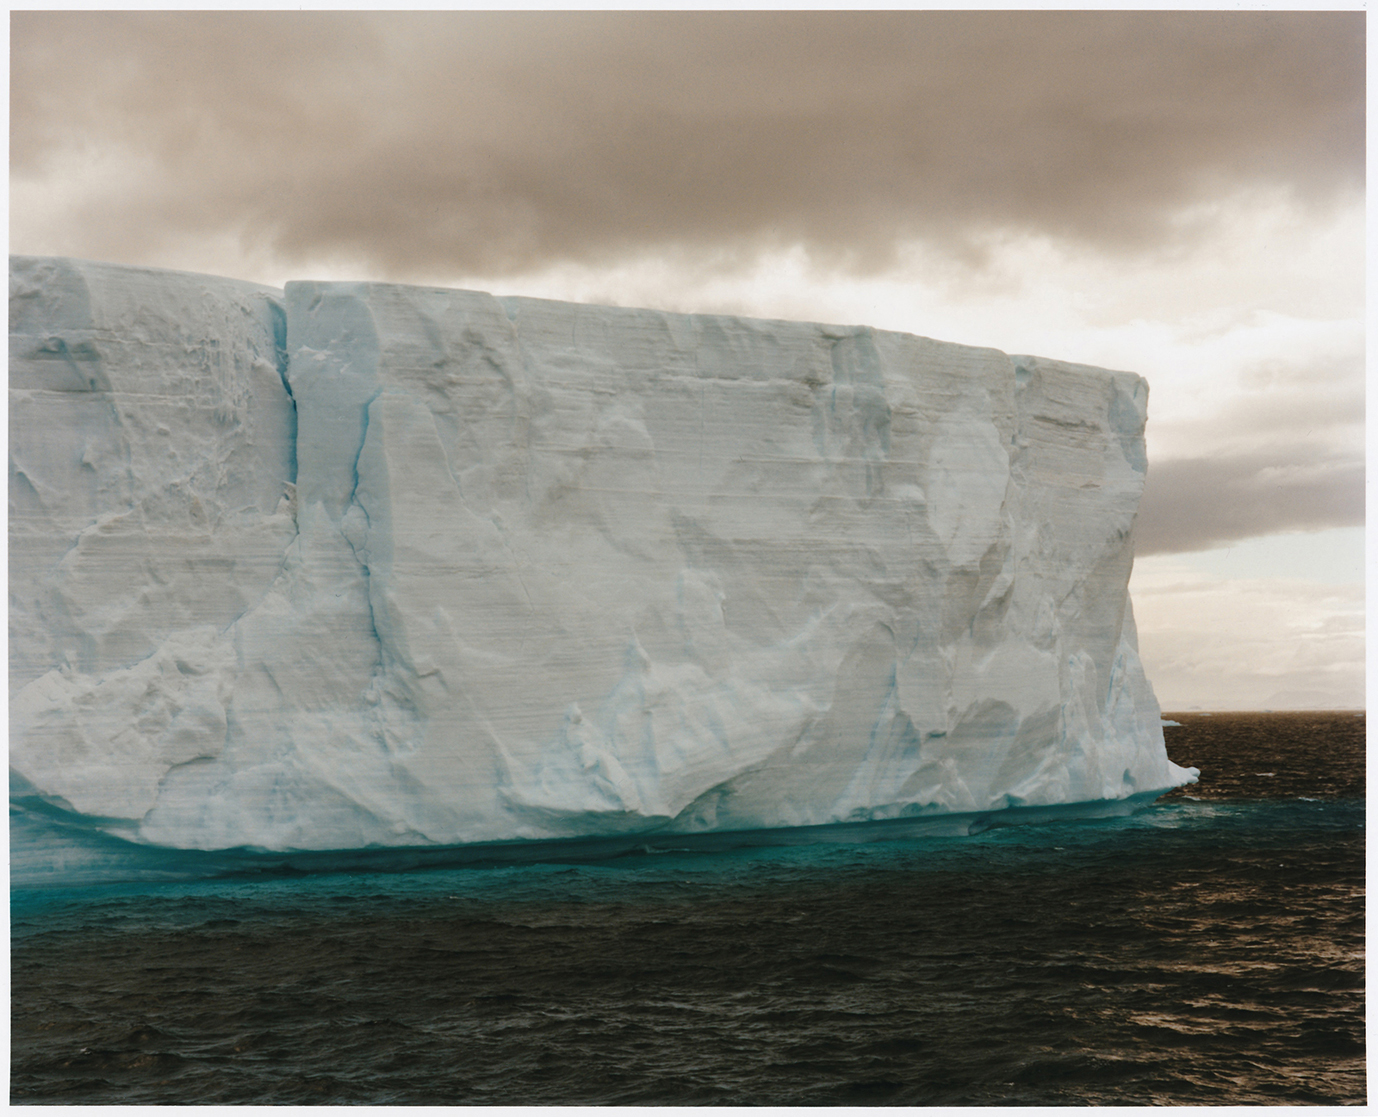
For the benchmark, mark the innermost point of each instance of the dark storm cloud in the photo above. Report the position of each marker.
(1288, 455)
(1197, 504)
(496, 142)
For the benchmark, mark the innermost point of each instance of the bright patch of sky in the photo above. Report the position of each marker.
(1334, 557)
(1270, 623)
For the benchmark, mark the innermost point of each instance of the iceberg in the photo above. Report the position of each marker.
(360, 565)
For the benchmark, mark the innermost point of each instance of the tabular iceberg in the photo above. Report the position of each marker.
(356, 565)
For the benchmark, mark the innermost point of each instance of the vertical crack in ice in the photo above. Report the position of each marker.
(282, 360)
(361, 555)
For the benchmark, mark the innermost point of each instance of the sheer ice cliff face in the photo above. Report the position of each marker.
(360, 564)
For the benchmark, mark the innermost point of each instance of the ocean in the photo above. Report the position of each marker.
(1207, 950)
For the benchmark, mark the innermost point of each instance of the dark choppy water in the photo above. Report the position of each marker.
(1209, 950)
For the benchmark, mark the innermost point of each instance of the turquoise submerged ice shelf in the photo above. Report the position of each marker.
(363, 565)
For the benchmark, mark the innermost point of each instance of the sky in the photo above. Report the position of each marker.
(1177, 193)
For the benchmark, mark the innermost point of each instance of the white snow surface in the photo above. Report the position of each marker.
(363, 565)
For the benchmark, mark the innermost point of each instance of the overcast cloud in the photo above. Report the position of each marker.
(1192, 504)
(501, 142)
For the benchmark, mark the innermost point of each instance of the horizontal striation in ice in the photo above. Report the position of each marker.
(360, 565)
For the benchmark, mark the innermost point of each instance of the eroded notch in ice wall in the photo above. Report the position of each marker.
(556, 570)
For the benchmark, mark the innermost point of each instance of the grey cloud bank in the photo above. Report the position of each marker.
(495, 143)
(1193, 504)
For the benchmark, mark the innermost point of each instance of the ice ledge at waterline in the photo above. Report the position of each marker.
(363, 565)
